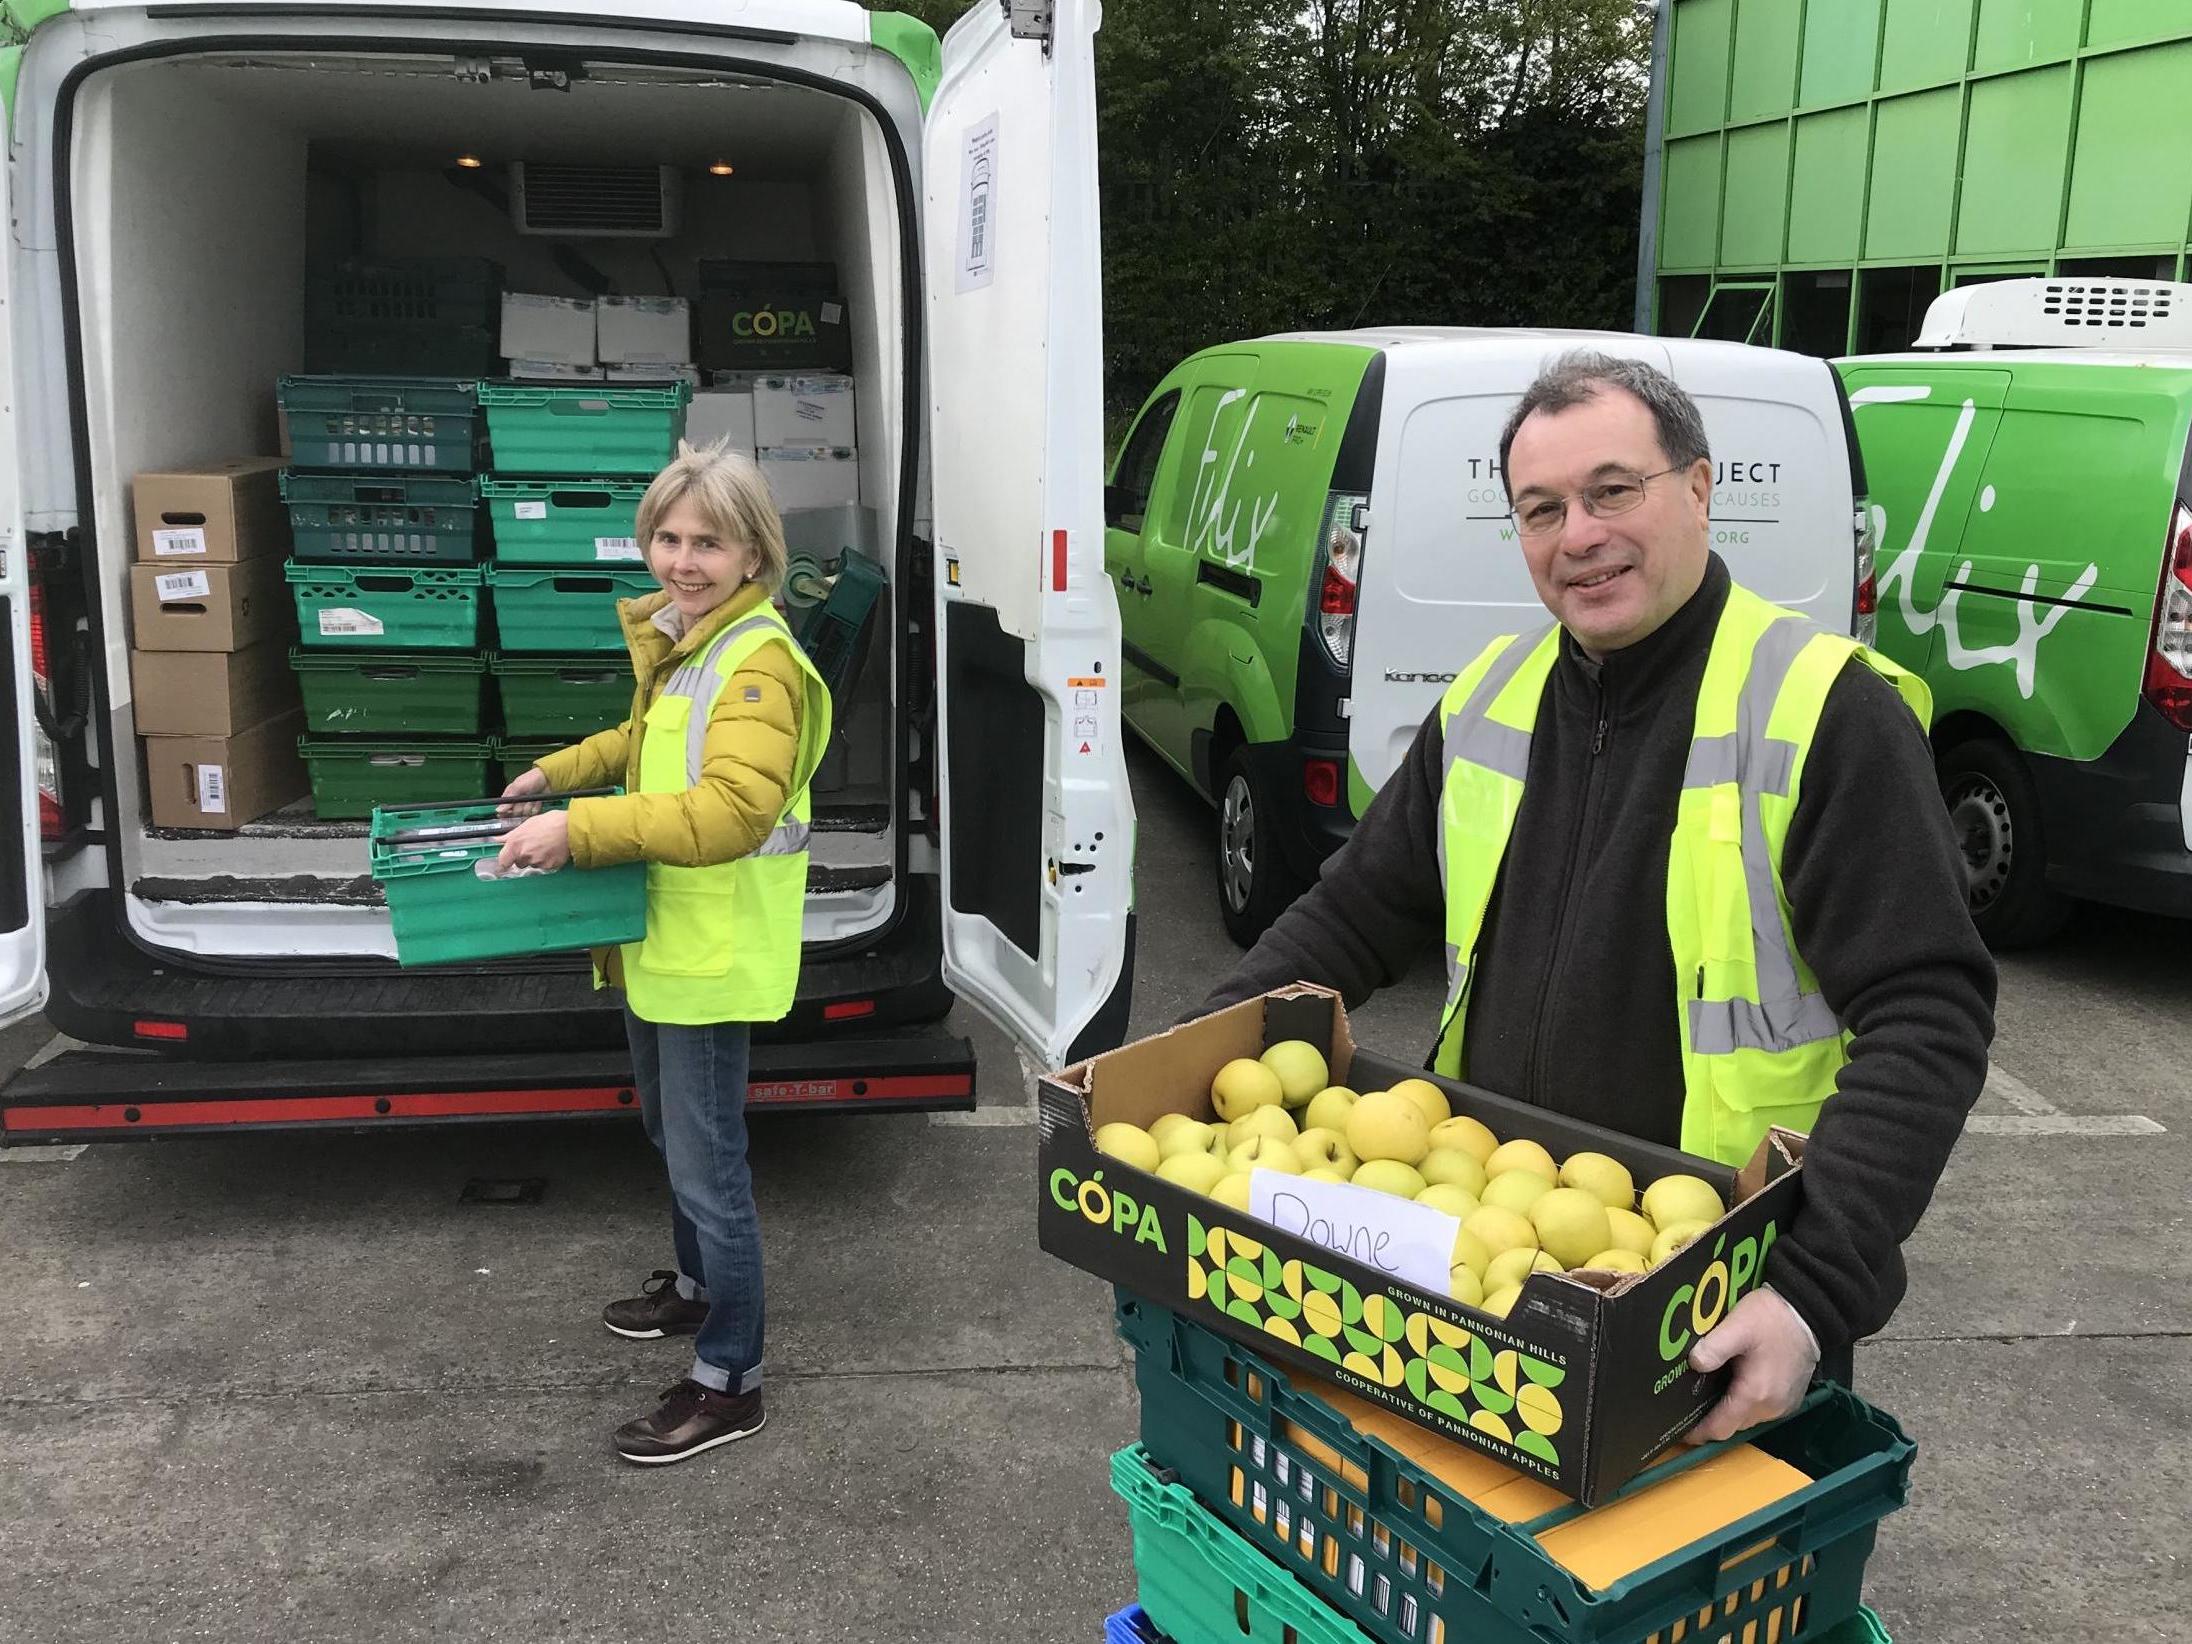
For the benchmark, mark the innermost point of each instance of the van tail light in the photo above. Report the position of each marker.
(1339, 575)
(1321, 781)
(1867, 624)
(52, 820)
(2169, 667)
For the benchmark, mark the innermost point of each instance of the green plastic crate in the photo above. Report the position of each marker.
(396, 608)
(566, 696)
(404, 692)
(834, 634)
(353, 774)
(565, 522)
(425, 316)
(445, 913)
(514, 759)
(1405, 1551)
(586, 430)
(416, 519)
(413, 424)
(562, 610)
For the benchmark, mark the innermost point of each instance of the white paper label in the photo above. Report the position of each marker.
(832, 313)
(345, 619)
(978, 216)
(616, 547)
(178, 586)
(185, 539)
(530, 510)
(212, 790)
(1410, 1242)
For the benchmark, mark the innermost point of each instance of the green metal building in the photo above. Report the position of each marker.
(1819, 170)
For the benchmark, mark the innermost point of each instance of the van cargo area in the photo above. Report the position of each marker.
(202, 194)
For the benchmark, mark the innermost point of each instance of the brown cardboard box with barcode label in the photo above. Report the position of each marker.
(215, 515)
(211, 693)
(223, 782)
(210, 607)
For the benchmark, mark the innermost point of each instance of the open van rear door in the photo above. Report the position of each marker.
(1037, 825)
(22, 913)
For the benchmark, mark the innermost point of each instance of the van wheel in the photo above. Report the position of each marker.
(1994, 807)
(1255, 885)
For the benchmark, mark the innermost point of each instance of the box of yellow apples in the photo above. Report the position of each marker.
(1493, 1271)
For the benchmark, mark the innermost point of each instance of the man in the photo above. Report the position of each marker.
(1604, 821)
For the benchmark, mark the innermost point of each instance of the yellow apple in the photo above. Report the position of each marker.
(1471, 1136)
(1243, 1086)
(1264, 1153)
(1385, 1126)
(1129, 1142)
(1262, 1121)
(1571, 1223)
(1450, 1199)
(1605, 1179)
(1166, 1124)
(1328, 1149)
(1189, 1136)
(1464, 1286)
(1516, 1190)
(1681, 1198)
(1321, 1174)
(1454, 1165)
(1300, 1069)
(1328, 1109)
(1197, 1172)
(1521, 1154)
(1631, 1232)
(1436, 1108)
(1501, 1230)
(1389, 1176)
(1676, 1236)
(1501, 1302)
(1513, 1266)
(1233, 1190)
(1470, 1251)
(1616, 1260)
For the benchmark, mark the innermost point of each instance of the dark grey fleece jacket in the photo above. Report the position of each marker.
(1573, 1004)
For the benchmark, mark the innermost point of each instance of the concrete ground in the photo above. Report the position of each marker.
(291, 1388)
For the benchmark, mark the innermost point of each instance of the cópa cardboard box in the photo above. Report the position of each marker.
(1612, 1387)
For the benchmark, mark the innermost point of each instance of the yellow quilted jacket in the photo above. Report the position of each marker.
(746, 762)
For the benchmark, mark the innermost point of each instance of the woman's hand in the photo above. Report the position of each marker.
(527, 782)
(544, 841)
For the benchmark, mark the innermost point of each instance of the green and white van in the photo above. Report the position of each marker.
(1309, 535)
(2029, 499)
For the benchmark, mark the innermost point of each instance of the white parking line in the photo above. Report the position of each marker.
(2009, 1089)
(2062, 1124)
(60, 1153)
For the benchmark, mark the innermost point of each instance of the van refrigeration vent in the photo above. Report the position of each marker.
(2060, 313)
(595, 202)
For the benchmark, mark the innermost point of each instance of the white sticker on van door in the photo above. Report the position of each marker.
(2033, 623)
(978, 220)
(1213, 516)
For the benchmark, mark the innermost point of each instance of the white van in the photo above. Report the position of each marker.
(170, 170)
(1316, 537)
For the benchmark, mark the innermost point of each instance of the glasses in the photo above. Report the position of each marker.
(1617, 493)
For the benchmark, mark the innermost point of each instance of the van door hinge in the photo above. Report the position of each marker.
(1030, 20)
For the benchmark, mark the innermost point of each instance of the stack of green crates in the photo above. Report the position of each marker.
(385, 516)
(570, 467)
(1261, 1512)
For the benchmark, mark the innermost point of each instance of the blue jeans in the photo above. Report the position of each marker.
(692, 1095)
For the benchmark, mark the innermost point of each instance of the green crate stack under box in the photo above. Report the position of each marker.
(587, 430)
(1402, 1558)
(566, 696)
(353, 774)
(387, 608)
(396, 518)
(424, 316)
(552, 611)
(564, 521)
(416, 425)
(444, 912)
(418, 693)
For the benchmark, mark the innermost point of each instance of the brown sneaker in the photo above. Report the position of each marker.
(692, 1418)
(657, 1311)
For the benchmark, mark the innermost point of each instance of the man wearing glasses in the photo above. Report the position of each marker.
(1691, 871)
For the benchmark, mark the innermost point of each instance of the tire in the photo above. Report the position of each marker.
(1994, 807)
(1254, 881)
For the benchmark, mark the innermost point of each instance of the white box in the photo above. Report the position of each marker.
(550, 330)
(721, 414)
(812, 476)
(643, 330)
(553, 371)
(804, 410)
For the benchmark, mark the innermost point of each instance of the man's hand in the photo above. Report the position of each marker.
(544, 841)
(526, 782)
(1774, 1354)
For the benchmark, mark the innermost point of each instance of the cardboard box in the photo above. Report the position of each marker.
(1613, 1359)
(654, 373)
(809, 410)
(552, 371)
(643, 331)
(553, 330)
(215, 515)
(721, 414)
(772, 317)
(211, 693)
(812, 476)
(210, 607)
(224, 782)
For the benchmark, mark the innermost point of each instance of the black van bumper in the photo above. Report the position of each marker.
(2116, 824)
(1309, 832)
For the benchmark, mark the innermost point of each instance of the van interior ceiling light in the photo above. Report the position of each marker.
(470, 162)
(721, 168)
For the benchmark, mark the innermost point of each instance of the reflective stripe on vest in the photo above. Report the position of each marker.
(723, 941)
(1760, 1045)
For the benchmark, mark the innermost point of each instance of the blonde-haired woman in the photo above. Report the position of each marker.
(729, 720)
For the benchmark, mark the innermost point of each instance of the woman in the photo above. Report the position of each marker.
(729, 721)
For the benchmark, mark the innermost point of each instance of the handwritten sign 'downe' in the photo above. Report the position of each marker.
(1407, 1241)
